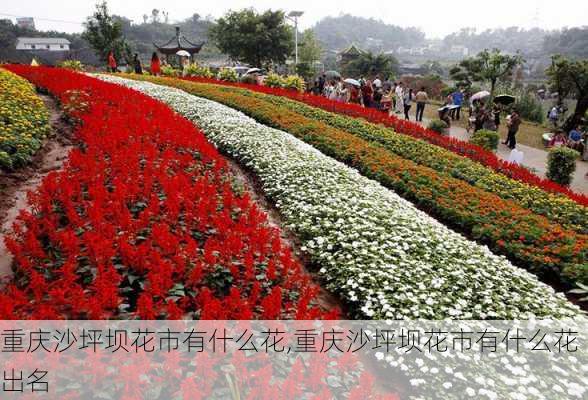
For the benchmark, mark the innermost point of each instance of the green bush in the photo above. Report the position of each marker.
(72, 64)
(168, 70)
(294, 82)
(561, 164)
(228, 74)
(273, 81)
(530, 108)
(436, 125)
(195, 69)
(485, 139)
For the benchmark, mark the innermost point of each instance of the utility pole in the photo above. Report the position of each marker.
(293, 16)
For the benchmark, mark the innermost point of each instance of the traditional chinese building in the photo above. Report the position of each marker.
(349, 54)
(177, 43)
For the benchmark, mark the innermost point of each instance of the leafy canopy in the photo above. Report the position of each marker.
(256, 39)
(105, 34)
(486, 67)
(370, 64)
(570, 79)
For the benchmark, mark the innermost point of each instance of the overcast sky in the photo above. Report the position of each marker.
(435, 18)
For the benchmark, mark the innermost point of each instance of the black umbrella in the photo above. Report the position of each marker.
(504, 99)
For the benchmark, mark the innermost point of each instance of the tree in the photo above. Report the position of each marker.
(369, 64)
(256, 39)
(145, 18)
(105, 34)
(570, 78)
(155, 15)
(309, 51)
(486, 67)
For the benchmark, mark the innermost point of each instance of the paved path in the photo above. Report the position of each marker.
(533, 158)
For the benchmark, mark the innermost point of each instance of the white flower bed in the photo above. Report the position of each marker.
(375, 249)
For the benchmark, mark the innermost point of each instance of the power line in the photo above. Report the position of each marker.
(42, 19)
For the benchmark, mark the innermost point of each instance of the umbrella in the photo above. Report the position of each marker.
(183, 53)
(252, 71)
(332, 74)
(352, 82)
(481, 95)
(504, 99)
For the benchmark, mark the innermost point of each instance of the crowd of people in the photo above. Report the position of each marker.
(392, 97)
(136, 64)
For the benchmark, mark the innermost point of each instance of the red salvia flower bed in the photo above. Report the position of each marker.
(142, 222)
(413, 129)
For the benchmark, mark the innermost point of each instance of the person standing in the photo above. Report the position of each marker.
(407, 100)
(155, 65)
(111, 62)
(513, 127)
(399, 98)
(377, 82)
(137, 64)
(321, 83)
(421, 99)
(457, 99)
(367, 91)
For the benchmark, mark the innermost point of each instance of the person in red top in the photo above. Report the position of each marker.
(355, 95)
(111, 62)
(367, 92)
(155, 64)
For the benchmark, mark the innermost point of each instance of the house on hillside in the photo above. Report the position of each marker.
(26, 23)
(42, 44)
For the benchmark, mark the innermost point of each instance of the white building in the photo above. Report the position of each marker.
(46, 44)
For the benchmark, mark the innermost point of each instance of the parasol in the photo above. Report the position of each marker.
(481, 95)
(353, 82)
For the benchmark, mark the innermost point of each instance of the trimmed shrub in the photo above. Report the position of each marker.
(294, 82)
(273, 80)
(486, 139)
(168, 70)
(228, 74)
(198, 70)
(72, 64)
(561, 164)
(438, 126)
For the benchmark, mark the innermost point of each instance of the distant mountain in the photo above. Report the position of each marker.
(570, 42)
(337, 33)
(512, 39)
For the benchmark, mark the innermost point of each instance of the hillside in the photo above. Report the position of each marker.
(336, 33)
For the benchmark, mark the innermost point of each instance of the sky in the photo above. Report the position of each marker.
(436, 18)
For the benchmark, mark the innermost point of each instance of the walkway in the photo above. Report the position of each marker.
(534, 159)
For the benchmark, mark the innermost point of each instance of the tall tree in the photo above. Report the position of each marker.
(570, 79)
(256, 39)
(155, 15)
(105, 34)
(370, 64)
(486, 67)
(309, 51)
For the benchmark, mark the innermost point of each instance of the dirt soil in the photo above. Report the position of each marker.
(15, 185)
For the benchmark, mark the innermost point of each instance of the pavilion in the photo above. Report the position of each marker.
(177, 43)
